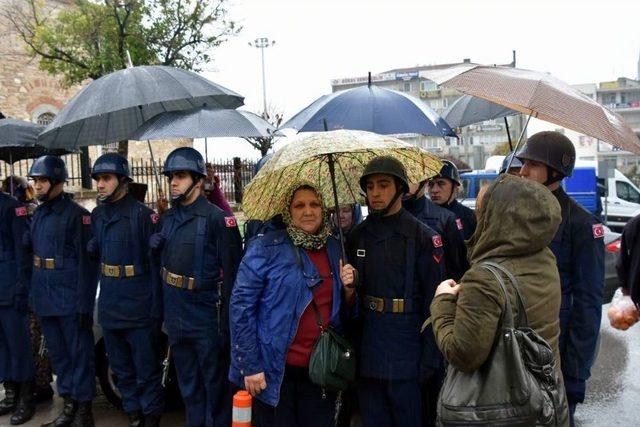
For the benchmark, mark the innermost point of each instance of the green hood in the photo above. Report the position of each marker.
(517, 217)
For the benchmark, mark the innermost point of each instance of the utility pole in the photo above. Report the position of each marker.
(262, 43)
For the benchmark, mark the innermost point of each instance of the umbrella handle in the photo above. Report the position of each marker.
(524, 129)
(153, 165)
(332, 172)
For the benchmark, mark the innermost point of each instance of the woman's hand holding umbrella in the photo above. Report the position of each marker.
(348, 278)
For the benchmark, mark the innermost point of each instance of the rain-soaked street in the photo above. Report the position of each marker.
(613, 392)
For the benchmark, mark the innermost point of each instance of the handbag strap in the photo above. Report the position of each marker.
(507, 313)
(523, 320)
(319, 321)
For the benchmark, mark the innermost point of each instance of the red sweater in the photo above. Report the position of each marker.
(308, 330)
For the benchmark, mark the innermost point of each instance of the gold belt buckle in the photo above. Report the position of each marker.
(49, 263)
(174, 279)
(111, 270)
(129, 271)
(398, 305)
(376, 304)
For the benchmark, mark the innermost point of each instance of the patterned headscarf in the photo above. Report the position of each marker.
(300, 237)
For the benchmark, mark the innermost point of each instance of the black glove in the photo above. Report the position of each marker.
(92, 249)
(85, 321)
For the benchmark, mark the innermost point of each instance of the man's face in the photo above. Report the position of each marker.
(346, 216)
(106, 183)
(534, 171)
(381, 189)
(180, 182)
(440, 190)
(41, 185)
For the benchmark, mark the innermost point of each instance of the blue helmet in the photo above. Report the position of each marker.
(515, 163)
(111, 163)
(184, 159)
(450, 171)
(51, 167)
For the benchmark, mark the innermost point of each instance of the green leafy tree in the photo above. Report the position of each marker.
(92, 38)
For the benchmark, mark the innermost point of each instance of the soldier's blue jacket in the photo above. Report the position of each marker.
(122, 229)
(466, 215)
(202, 242)
(60, 229)
(15, 262)
(397, 257)
(579, 249)
(447, 225)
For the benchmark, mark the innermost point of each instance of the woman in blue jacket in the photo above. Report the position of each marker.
(285, 278)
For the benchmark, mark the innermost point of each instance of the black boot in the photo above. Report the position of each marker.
(65, 417)
(84, 416)
(44, 394)
(8, 404)
(152, 421)
(136, 419)
(26, 408)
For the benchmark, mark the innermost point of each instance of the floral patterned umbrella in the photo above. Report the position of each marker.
(334, 159)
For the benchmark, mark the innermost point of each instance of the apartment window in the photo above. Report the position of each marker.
(428, 85)
(406, 87)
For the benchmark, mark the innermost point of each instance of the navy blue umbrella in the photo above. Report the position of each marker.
(370, 108)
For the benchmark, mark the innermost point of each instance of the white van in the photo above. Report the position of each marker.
(622, 202)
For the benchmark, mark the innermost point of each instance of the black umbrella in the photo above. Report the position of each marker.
(112, 107)
(18, 141)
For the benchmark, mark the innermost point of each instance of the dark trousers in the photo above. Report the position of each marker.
(16, 360)
(386, 403)
(202, 365)
(302, 403)
(572, 412)
(72, 355)
(134, 357)
(431, 386)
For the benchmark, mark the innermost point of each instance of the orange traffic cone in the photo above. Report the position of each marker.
(241, 409)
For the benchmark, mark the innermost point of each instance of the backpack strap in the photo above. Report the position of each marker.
(523, 320)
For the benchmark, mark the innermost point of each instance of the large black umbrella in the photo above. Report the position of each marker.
(18, 141)
(112, 107)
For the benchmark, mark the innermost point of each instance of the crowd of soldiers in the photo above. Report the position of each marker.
(176, 272)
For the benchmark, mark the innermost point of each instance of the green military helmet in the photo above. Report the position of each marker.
(385, 165)
(552, 149)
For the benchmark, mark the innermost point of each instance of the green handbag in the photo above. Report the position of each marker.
(333, 364)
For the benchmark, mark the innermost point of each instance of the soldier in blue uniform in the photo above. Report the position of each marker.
(578, 245)
(400, 262)
(130, 305)
(442, 191)
(447, 225)
(17, 367)
(63, 289)
(200, 249)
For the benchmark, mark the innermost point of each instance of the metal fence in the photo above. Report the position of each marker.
(234, 175)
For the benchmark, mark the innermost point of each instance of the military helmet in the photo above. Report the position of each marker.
(450, 171)
(184, 159)
(552, 149)
(51, 167)
(515, 163)
(111, 163)
(385, 165)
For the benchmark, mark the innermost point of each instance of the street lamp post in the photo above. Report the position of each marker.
(262, 43)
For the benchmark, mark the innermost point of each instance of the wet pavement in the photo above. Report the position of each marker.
(613, 392)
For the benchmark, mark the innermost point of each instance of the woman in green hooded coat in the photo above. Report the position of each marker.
(517, 220)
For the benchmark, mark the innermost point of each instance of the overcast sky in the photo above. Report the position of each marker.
(578, 41)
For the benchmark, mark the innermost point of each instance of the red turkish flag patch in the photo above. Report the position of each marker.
(86, 219)
(598, 231)
(155, 218)
(230, 221)
(437, 241)
(21, 211)
(459, 223)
